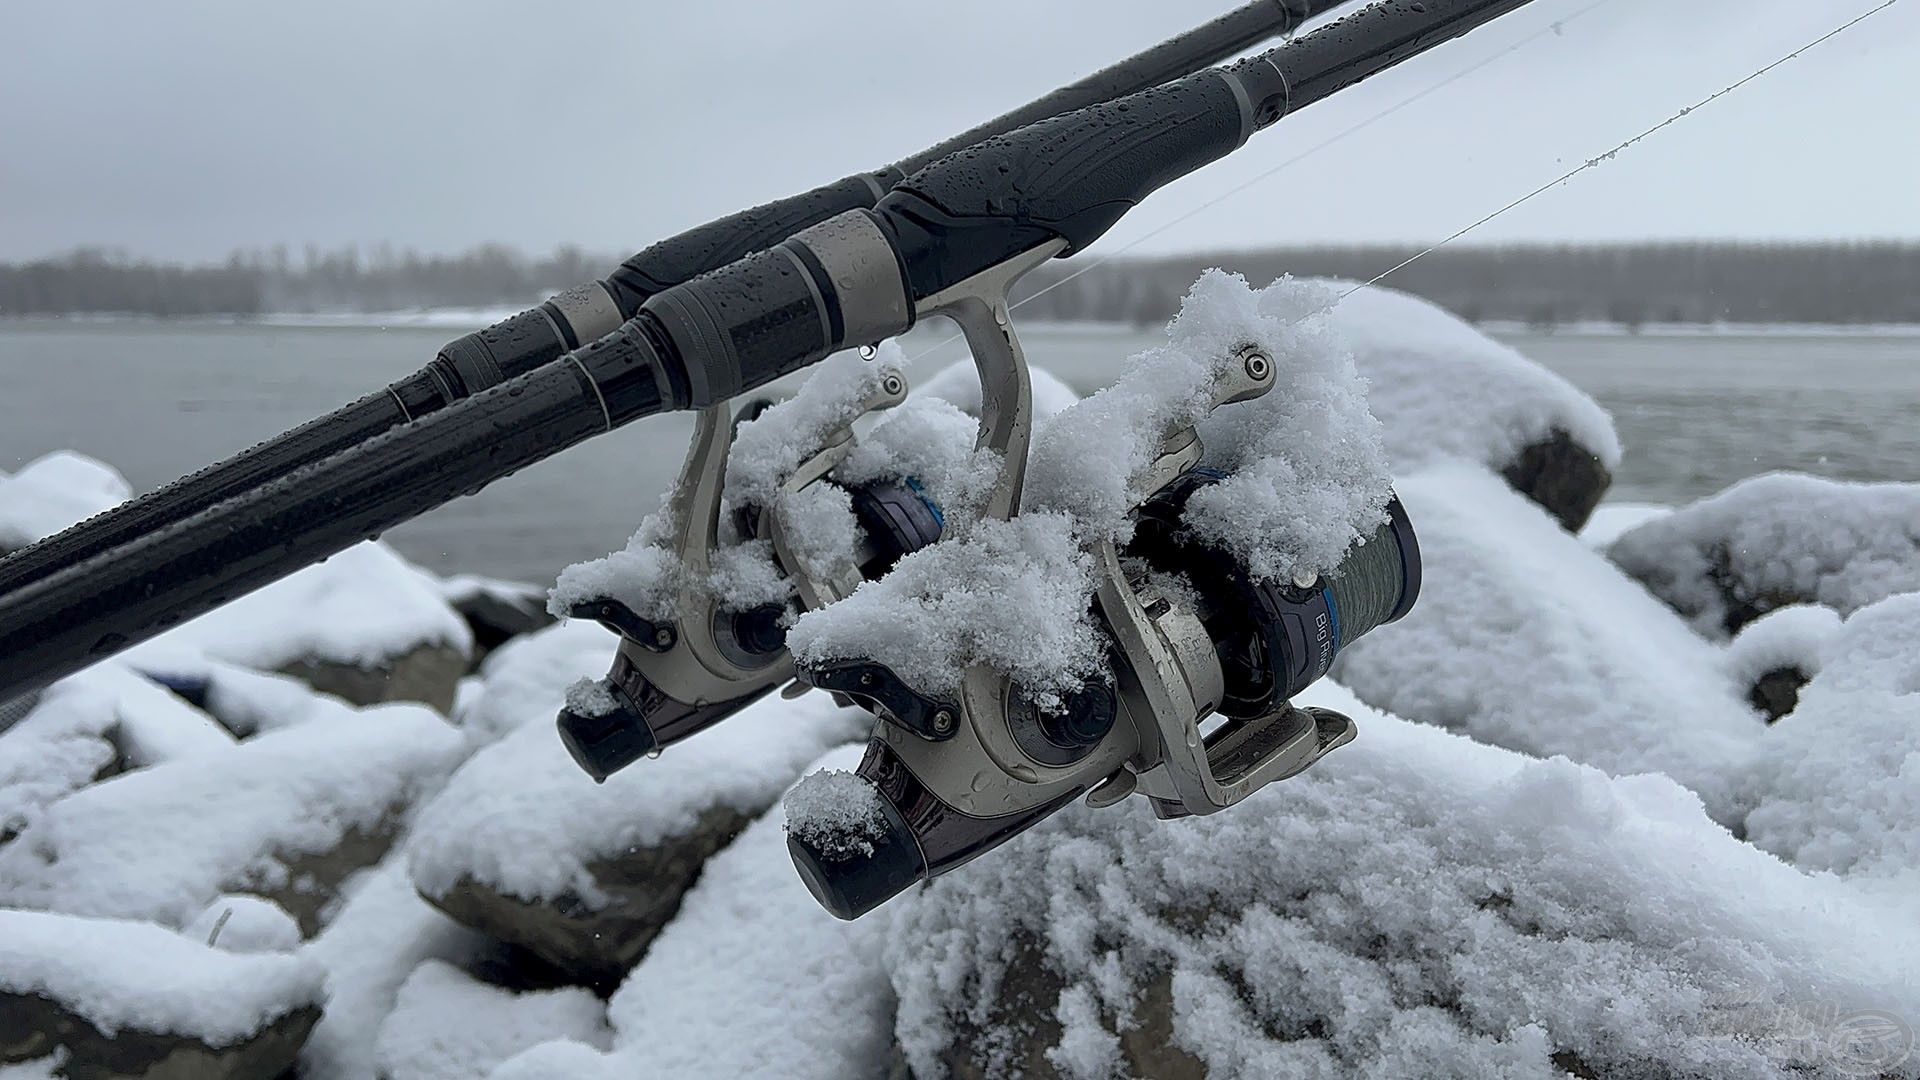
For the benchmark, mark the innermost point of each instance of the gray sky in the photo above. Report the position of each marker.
(188, 128)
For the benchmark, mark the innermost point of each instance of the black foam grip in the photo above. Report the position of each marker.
(92, 610)
(1072, 176)
(189, 495)
(506, 350)
(745, 325)
(711, 246)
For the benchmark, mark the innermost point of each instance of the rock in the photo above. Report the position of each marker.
(121, 998)
(428, 674)
(43, 1027)
(496, 611)
(597, 944)
(1774, 541)
(1775, 693)
(1565, 478)
(446, 1025)
(1411, 906)
(1443, 389)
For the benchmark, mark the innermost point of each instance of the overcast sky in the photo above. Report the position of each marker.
(188, 128)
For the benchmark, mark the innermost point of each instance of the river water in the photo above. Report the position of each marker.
(1696, 413)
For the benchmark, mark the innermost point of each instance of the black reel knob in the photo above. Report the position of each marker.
(898, 519)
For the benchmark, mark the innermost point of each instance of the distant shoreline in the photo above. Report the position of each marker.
(475, 318)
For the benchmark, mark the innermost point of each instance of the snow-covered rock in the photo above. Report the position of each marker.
(753, 980)
(365, 625)
(496, 611)
(958, 384)
(1444, 390)
(1775, 655)
(240, 922)
(1415, 905)
(94, 725)
(109, 998)
(381, 933)
(447, 1025)
(1775, 540)
(523, 846)
(525, 681)
(1612, 520)
(1839, 778)
(287, 815)
(52, 492)
(1524, 637)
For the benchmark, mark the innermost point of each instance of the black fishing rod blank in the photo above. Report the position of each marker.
(580, 315)
(1051, 187)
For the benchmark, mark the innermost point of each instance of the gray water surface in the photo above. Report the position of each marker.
(161, 399)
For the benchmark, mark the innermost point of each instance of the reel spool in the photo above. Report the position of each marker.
(673, 679)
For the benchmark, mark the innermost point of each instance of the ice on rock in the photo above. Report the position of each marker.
(1306, 477)
(836, 812)
(1839, 778)
(379, 936)
(1524, 637)
(362, 606)
(1796, 637)
(1412, 906)
(753, 980)
(525, 681)
(1443, 389)
(122, 976)
(1778, 539)
(958, 384)
(265, 816)
(53, 492)
(238, 922)
(447, 1025)
(521, 818)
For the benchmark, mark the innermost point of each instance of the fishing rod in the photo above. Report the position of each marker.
(987, 213)
(579, 315)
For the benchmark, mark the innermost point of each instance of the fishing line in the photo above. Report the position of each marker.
(1596, 162)
(1552, 29)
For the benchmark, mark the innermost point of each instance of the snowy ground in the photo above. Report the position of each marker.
(1565, 842)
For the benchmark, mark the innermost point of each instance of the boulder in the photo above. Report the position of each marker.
(111, 998)
(288, 816)
(447, 1025)
(1443, 389)
(53, 492)
(1776, 654)
(426, 673)
(1411, 906)
(1774, 541)
(496, 611)
(524, 847)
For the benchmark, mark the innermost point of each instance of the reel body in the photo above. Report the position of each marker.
(676, 677)
(1191, 634)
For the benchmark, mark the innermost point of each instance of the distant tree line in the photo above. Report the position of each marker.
(1543, 285)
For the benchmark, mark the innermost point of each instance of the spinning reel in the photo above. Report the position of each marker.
(675, 677)
(1191, 633)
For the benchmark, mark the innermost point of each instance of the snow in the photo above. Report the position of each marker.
(522, 818)
(121, 975)
(248, 702)
(380, 935)
(238, 922)
(1306, 478)
(1612, 520)
(365, 606)
(52, 492)
(1793, 637)
(958, 384)
(1412, 906)
(836, 812)
(767, 449)
(562, 1059)
(447, 1025)
(1839, 777)
(1778, 539)
(1524, 637)
(591, 697)
(525, 681)
(1443, 389)
(753, 980)
(1011, 595)
(162, 842)
(82, 727)
(932, 442)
